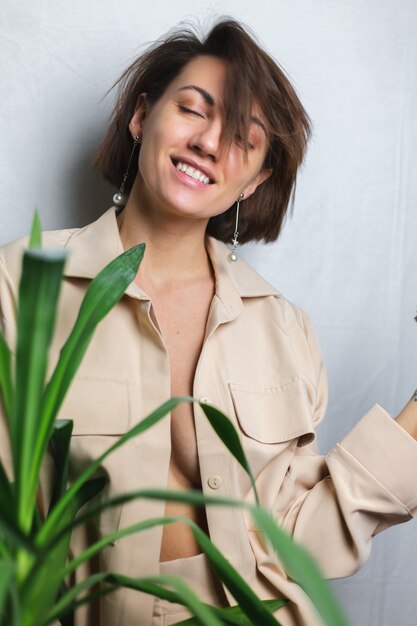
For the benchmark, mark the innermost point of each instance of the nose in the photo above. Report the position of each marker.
(206, 139)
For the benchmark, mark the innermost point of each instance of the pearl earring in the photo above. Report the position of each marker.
(232, 257)
(120, 198)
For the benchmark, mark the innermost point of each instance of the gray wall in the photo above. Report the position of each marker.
(346, 255)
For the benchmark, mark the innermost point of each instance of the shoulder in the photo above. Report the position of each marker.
(250, 285)
(265, 305)
(98, 240)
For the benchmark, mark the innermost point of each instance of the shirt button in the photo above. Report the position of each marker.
(204, 400)
(214, 482)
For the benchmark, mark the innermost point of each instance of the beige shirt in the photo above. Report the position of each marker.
(261, 365)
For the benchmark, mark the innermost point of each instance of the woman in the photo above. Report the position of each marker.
(206, 139)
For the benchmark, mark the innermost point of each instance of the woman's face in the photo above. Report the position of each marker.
(182, 166)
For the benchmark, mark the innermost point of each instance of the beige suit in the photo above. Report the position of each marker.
(261, 365)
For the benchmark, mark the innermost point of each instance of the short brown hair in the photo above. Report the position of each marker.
(251, 75)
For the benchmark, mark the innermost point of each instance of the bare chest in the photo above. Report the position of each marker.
(182, 322)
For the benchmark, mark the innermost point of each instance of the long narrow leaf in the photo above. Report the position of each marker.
(35, 239)
(301, 568)
(6, 490)
(60, 447)
(7, 516)
(6, 385)
(7, 569)
(15, 618)
(4, 550)
(68, 619)
(38, 295)
(224, 428)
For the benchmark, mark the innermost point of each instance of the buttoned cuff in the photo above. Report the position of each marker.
(387, 452)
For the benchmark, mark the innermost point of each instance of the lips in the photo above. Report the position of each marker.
(194, 170)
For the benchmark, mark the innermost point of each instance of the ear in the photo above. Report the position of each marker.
(138, 118)
(258, 180)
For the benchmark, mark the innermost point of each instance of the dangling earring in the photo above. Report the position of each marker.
(119, 197)
(232, 257)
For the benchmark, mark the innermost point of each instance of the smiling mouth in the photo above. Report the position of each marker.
(192, 172)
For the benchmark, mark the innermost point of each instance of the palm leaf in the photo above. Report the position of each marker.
(38, 294)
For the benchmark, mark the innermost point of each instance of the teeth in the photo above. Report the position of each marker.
(190, 171)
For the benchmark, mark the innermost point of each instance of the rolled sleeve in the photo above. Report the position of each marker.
(386, 452)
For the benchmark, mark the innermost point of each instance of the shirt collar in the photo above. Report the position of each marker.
(95, 245)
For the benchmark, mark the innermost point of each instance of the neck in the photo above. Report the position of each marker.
(175, 248)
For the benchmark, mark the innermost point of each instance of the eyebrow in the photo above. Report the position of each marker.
(206, 95)
(211, 102)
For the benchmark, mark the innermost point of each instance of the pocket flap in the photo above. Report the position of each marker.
(274, 414)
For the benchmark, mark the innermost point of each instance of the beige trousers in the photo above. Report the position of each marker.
(196, 572)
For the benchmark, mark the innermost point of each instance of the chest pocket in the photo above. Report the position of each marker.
(274, 414)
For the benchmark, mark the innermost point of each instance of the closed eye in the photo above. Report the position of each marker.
(184, 109)
(239, 141)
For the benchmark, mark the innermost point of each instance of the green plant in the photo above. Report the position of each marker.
(33, 551)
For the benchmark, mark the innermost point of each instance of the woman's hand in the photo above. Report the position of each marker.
(408, 416)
